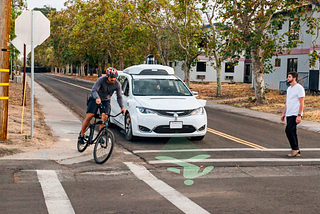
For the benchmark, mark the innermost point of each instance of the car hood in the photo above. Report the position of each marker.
(170, 103)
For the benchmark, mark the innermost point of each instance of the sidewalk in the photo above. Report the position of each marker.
(64, 124)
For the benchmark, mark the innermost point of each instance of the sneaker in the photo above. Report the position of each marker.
(81, 140)
(294, 153)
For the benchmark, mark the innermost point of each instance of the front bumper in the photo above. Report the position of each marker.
(154, 125)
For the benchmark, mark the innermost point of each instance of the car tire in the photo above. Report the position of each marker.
(128, 128)
(198, 138)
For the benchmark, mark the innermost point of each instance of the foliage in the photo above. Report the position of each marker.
(254, 26)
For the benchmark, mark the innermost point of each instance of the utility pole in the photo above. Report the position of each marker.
(5, 15)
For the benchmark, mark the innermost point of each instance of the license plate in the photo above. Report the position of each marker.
(175, 125)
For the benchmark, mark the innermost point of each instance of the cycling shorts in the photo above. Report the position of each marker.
(92, 106)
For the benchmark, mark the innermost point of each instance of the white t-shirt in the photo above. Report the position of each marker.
(293, 103)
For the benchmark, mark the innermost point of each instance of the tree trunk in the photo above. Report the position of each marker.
(186, 69)
(88, 69)
(121, 65)
(219, 91)
(82, 70)
(71, 70)
(258, 71)
(67, 69)
(106, 61)
(99, 69)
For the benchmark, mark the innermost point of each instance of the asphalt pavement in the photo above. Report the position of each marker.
(66, 126)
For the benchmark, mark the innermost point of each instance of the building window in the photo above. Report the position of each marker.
(201, 67)
(292, 65)
(201, 77)
(171, 64)
(279, 26)
(229, 68)
(277, 62)
(294, 27)
(228, 77)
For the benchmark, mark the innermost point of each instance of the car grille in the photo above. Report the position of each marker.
(170, 113)
(166, 129)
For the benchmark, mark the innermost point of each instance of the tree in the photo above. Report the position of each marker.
(254, 26)
(217, 43)
(184, 20)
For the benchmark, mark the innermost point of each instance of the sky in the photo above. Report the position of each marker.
(58, 4)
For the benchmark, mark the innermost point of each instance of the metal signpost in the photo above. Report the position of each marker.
(32, 28)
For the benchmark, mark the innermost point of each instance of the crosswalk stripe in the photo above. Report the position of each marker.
(172, 195)
(228, 160)
(56, 199)
(221, 150)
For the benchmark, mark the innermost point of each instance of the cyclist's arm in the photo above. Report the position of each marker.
(119, 96)
(95, 89)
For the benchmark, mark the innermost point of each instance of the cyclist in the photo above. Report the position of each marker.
(101, 92)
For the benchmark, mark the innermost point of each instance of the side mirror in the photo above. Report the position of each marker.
(195, 93)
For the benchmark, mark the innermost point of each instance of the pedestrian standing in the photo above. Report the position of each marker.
(293, 112)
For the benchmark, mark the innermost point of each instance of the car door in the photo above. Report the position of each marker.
(125, 94)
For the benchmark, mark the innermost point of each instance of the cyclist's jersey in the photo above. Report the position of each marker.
(103, 90)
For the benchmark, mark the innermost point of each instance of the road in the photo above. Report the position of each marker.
(244, 179)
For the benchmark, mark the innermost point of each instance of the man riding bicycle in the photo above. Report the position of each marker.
(101, 93)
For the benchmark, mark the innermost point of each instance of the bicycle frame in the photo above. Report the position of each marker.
(92, 126)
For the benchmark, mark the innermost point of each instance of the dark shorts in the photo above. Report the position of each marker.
(92, 106)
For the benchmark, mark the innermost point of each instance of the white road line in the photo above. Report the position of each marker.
(172, 195)
(221, 150)
(55, 197)
(236, 160)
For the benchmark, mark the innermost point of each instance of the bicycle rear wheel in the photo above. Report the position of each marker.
(103, 147)
(82, 147)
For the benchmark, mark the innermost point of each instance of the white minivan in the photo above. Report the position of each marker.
(158, 104)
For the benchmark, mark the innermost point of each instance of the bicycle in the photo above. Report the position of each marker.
(103, 141)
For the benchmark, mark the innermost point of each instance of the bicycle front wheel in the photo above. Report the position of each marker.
(103, 147)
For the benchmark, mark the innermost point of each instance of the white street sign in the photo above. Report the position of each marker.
(20, 46)
(41, 27)
(32, 28)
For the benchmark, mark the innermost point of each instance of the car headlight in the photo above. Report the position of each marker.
(145, 110)
(198, 111)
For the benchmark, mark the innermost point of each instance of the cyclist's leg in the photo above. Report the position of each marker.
(91, 110)
(105, 112)
(86, 123)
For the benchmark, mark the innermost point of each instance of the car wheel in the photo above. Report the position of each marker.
(128, 128)
(197, 138)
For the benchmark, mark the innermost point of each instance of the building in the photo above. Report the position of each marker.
(204, 71)
(297, 60)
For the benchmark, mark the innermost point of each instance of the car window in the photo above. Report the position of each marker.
(121, 79)
(125, 87)
(159, 87)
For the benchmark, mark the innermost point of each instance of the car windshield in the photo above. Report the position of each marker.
(159, 87)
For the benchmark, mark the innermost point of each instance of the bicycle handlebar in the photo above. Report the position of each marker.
(109, 115)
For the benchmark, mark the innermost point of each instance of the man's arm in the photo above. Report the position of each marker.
(284, 112)
(301, 100)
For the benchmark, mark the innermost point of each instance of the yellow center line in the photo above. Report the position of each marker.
(71, 84)
(238, 140)
(4, 70)
(4, 84)
(4, 98)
